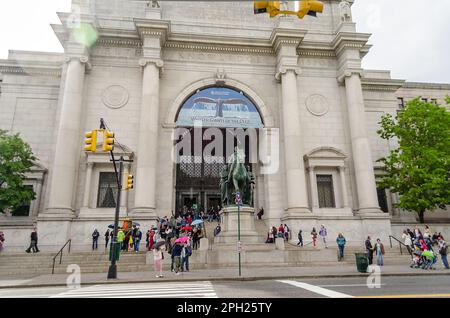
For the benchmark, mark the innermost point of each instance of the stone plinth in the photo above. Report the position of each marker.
(229, 233)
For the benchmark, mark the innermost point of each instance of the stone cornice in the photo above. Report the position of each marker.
(214, 47)
(375, 84)
(350, 40)
(286, 36)
(27, 68)
(153, 29)
(119, 42)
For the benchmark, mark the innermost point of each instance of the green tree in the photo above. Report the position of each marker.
(419, 169)
(16, 159)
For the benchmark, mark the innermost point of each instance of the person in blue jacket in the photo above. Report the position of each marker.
(340, 240)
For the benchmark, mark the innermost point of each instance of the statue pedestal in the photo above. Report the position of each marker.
(229, 224)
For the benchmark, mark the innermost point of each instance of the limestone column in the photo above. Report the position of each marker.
(362, 155)
(312, 181)
(296, 194)
(146, 165)
(87, 184)
(68, 141)
(343, 187)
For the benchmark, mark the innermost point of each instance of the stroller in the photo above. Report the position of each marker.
(417, 260)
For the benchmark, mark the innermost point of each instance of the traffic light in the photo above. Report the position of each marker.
(130, 182)
(90, 141)
(270, 7)
(309, 8)
(108, 140)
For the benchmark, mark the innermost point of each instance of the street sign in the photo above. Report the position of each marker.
(238, 198)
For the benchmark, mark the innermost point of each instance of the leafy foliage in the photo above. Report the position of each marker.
(16, 159)
(419, 169)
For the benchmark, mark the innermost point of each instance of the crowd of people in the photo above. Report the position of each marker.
(283, 231)
(425, 248)
(178, 235)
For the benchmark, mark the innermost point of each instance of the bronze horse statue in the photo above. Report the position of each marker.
(236, 178)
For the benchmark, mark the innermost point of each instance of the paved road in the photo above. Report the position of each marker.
(420, 287)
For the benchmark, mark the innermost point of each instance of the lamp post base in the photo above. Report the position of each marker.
(112, 272)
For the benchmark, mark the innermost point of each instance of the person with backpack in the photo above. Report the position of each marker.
(443, 250)
(185, 254)
(369, 250)
(176, 254)
(137, 239)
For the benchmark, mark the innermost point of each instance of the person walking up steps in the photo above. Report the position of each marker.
(176, 254)
(95, 237)
(33, 244)
(340, 240)
(314, 236)
(107, 235)
(323, 235)
(300, 238)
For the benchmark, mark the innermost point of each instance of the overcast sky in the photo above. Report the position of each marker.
(412, 42)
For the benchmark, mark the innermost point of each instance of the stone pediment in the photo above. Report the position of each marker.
(325, 153)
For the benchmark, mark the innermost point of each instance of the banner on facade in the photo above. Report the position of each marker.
(219, 107)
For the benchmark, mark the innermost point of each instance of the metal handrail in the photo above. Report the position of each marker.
(400, 243)
(60, 253)
(296, 245)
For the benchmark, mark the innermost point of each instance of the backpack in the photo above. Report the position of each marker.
(188, 250)
(443, 250)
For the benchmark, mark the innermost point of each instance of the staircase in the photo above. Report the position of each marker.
(217, 256)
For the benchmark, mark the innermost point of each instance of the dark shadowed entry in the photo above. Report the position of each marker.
(225, 109)
(197, 178)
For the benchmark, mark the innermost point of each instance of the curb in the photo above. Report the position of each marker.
(220, 279)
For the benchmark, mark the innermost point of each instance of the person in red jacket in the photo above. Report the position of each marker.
(379, 252)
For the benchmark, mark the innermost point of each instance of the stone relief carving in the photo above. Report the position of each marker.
(317, 105)
(115, 96)
(345, 11)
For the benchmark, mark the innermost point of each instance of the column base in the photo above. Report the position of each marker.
(57, 214)
(296, 212)
(374, 212)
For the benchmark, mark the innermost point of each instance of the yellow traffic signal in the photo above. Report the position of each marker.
(309, 8)
(270, 7)
(108, 140)
(91, 141)
(130, 182)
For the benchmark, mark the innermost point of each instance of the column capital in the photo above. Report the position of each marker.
(83, 59)
(90, 165)
(284, 69)
(159, 63)
(348, 73)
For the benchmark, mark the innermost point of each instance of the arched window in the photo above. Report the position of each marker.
(219, 107)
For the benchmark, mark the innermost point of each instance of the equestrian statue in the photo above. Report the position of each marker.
(236, 177)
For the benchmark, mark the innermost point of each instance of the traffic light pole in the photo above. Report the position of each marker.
(112, 272)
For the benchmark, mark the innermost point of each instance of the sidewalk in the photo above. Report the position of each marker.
(227, 274)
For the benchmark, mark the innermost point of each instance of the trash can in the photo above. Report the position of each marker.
(117, 251)
(362, 262)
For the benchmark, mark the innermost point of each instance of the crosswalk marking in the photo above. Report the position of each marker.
(143, 290)
(316, 289)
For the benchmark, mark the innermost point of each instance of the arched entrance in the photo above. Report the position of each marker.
(209, 124)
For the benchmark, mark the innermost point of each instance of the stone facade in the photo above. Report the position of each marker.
(305, 77)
